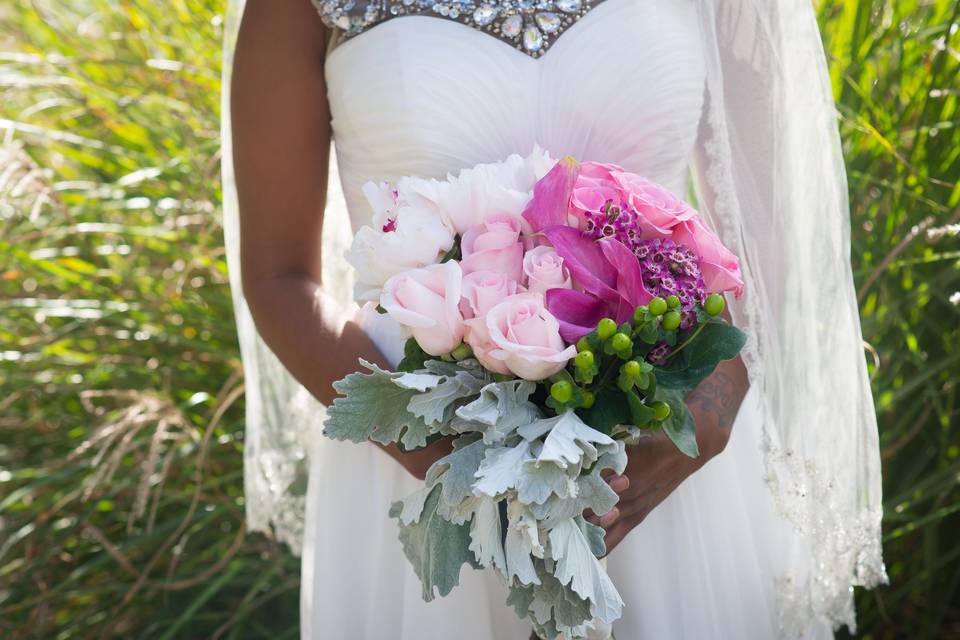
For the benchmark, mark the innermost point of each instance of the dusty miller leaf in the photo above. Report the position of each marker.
(411, 506)
(486, 538)
(456, 473)
(520, 598)
(501, 469)
(435, 547)
(569, 440)
(537, 482)
(374, 407)
(435, 405)
(522, 542)
(578, 567)
(501, 407)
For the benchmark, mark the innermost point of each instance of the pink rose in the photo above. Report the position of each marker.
(719, 265)
(494, 245)
(482, 290)
(523, 338)
(658, 208)
(426, 301)
(544, 270)
(594, 186)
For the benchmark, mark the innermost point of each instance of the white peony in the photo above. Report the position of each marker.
(408, 231)
(496, 188)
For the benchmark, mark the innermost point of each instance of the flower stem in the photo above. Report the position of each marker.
(686, 342)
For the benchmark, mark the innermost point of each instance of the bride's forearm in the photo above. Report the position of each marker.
(715, 403)
(311, 334)
(319, 344)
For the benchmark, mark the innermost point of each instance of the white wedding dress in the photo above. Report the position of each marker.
(426, 96)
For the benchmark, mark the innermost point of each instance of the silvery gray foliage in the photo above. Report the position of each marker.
(510, 495)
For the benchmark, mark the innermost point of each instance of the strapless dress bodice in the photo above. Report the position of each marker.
(420, 95)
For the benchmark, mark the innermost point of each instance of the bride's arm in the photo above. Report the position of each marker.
(281, 149)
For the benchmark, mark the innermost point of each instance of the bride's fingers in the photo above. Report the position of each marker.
(617, 483)
(605, 520)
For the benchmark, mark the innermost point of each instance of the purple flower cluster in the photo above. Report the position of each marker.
(614, 221)
(667, 268)
(659, 353)
(670, 269)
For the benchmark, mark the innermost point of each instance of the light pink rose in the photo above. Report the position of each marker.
(719, 265)
(426, 301)
(478, 337)
(494, 245)
(484, 289)
(544, 270)
(524, 338)
(658, 208)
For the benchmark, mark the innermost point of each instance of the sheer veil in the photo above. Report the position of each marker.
(769, 173)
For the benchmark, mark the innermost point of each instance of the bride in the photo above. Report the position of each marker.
(763, 536)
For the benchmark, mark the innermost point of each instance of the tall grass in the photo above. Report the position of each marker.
(121, 507)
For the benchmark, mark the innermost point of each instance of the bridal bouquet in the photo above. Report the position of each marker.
(556, 311)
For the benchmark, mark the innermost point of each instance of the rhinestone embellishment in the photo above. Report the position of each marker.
(530, 26)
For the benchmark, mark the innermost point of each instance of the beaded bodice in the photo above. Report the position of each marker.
(530, 26)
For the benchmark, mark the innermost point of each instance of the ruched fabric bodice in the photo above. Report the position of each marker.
(419, 95)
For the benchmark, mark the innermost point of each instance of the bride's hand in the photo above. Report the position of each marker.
(656, 467)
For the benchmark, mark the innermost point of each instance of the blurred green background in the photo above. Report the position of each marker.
(121, 409)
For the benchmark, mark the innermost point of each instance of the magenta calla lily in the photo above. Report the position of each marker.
(550, 205)
(608, 274)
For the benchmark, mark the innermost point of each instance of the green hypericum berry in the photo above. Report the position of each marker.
(606, 328)
(671, 320)
(632, 368)
(583, 344)
(661, 410)
(561, 391)
(658, 306)
(588, 399)
(639, 313)
(584, 360)
(462, 352)
(621, 342)
(715, 304)
(673, 302)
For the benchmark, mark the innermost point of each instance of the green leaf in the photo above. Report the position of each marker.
(435, 547)
(640, 412)
(609, 410)
(716, 342)
(679, 425)
(374, 407)
(413, 356)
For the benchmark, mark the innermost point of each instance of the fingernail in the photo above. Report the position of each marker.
(609, 517)
(619, 483)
